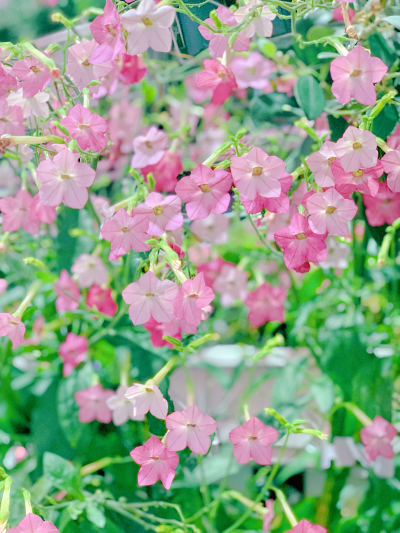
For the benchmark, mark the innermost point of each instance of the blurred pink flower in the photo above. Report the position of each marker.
(32, 523)
(126, 232)
(252, 71)
(106, 30)
(90, 270)
(211, 229)
(266, 305)
(42, 213)
(73, 351)
(81, 70)
(175, 328)
(121, 407)
(101, 299)
(391, 165)
(93, 404)
(230, 284)
(87, 128)
(67, 291)
(3, 285)
(269, 504)
(165, 172)
(384, 208)
(163, 213)
(217, 77)
(35, 106)
(330, 212)
(364, 180)
(123, 123)
(304, 526)
(260, 24)
(377, 438)
(11, 118)
(147, 398)
(338, 15)
(150, 148)
(18, 213)
(356, 149)
(394, 139)
(193, 295)
(33, 74)
(319, 163)
(7, 83)
(13, 328)
(253, 440)
(190, 428)
(132, 69)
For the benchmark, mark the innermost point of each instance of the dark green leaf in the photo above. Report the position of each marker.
(309, 96)
(62, 474)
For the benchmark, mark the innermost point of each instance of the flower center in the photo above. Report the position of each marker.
(257, 171)
(358, 173)
(355, 73)
(149, 389)
(158, 210)
(35, 69)
(14, 322)
(155, 458)
(3, 120)
(111, 30)
(149, 294)
(300, 236)
(148, 144)
(204, 188)
(192, 295)
(85, 63)
(64, 176)
(191, 425)
(252, 70)
(221, 75)
(330, 210)
(146, 21)
(125, 230)
(330, 159)
(83, 127)
(357, 145)
(252, 438)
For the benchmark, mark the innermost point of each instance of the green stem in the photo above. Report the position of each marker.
(27, 300)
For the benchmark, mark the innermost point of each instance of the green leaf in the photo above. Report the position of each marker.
(267, 48)
(393, 20)
(338, 126)
(309, 96)
(324, 394)
(317, 32)
(96, 515)
(381, 48)
(385, 122)
(62, 474)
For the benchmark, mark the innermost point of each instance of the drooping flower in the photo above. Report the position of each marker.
(126, 232)
(354, 76)
(132, 69)
(252, 71)
(162, 212)
(391, 165)
(150, 298)
(106, 30)
(330, 212)
(356, 149)
(364, 180)
(280, 204)
(149, 27)
(11, 118)
(319, 163)
(260, 24)
(192, 297)
(101, 300)
(87, 128)
(384, 208)
(90, 270)
(299, 243)
(211, 229)
(253, 440)
(64, 179)
(165, 172)
(257, 173)
(377, 438)
(157, 463)
(33, 74)
(18, 213)
(266, 305)
(230, 284)
(121, 407)
(217, 77)
(205, 191)
(67, 291)
(145, 399)
(93, 404)
(304, 526)
(73, 351)
(150, 148)
(81, 70)
(13, 328)
(32, 523)
(190, 428)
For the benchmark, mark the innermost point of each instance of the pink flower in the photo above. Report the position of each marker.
(64, 179)
(383, 208)
(101, 299)
(18, 213)
(330, 212)
(175, 328)
(32, 523)
(157, 463)
(338, 15)
(320, 164)
(218, 41)
(150, 298)
(36, 106)
(377, 438)
(132, 69)
(192, 297)
(121, 407)
(391, 165)
(217, 77)
(149, 27)
(126, 232)
(364, 180)
(190, 428)
(7, 83)
(266, 305)
(206, 191)
(90, 270)
(252, 71)
(354, 76)
(260, 24)
(106, 30)
(253, 440)
(356, 149)
(394, 139)
(87, 128)
(11, 118)
(3, 285)
(147, 398)
(93, 404)
(257, 173)
(230, 284)
(81, 70)
(281, 204)
(211, 229)
(304, 526)
(165, 172)
(67, 291)
(337, 252)
(150, 148)
(73, 351)
(269, 504)
(299, 243)
(33, 74)
(13, 328)
(42, 213)
(163, 213)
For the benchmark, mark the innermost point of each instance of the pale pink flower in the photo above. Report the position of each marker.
(73, 351)
(319, 163)
(384, 208)
(193, 295)
(145, 399)
(18, 213)
(35, 106)
(32, 523)
(67, 291)
(157, 463)
(93, 404)
(217, 77)
(106, 30)
(261, 24)
(165, 172)
(338, 15)
(330, 212)
(190, 428)
(121, 407)
(213, 229)
(281, 204)
(394, 139)
(377, 438)
(300, 244)
(230, 284)
(163, 212)
(87, 128)
(336, 255)
(149, 27)
(126, 232)
(150, 297)
(218, 41)
(266, 305)
(3, 285)
(150, 148)
(101, 299)
(354, 76)
(13, 328)
(257, 173)
(81, 70)
(391, 165)
(42, 213)
(123, 123)
(64, 179)
(304, 526)
(276, 221)
(269, 504)
(253, 440)
(356, 149)
(175, 328)
(197, 94)
(205, 191)
(7, 83)
(364, 180)
(252, 71)
(11, 118)
(33, 74)
(90, 270)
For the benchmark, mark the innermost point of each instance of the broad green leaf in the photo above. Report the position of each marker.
(96, 515)
(317, 32)
(309, 96)
(62, 473)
